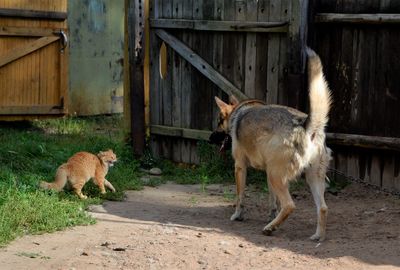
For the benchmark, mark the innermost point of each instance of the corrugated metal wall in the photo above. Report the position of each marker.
(96, 56)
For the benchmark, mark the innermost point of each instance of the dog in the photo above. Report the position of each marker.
(283, 142)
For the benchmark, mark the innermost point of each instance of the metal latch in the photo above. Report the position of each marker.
(63, 37)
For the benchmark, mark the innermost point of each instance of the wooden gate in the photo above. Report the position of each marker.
(217, 48)
(33, 58)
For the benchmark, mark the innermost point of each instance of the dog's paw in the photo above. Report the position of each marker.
(237, 216)
(268, 231)
(317, 237)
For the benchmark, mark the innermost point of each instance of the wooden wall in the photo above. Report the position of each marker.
(362, 67)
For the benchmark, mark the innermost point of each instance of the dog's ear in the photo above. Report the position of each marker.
(222, 105)
(233, 100)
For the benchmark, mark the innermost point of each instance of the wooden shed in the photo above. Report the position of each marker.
(33, 58)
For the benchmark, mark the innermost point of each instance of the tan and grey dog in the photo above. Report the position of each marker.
(284, 142)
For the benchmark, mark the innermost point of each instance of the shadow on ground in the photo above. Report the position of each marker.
(362, 223)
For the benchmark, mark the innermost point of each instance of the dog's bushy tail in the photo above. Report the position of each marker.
(60, 180)
(320, 96)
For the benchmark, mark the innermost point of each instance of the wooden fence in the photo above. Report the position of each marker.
(358, 43)
(256, 49)
(217, 48)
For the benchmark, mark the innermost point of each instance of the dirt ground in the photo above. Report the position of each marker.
(180, 227)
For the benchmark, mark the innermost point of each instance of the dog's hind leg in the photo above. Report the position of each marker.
(281, 189)
(315, 176)
(240, 177)
(272, 205)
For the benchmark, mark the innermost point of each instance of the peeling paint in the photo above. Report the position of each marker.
(97, 16)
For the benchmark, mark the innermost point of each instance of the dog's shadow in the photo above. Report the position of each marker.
(188, 206)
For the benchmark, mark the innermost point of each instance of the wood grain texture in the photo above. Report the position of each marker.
(360, 62)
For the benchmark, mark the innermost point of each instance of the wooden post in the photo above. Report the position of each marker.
(134, 42)
(296, 52)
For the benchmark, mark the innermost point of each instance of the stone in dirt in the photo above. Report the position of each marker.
(155, 171)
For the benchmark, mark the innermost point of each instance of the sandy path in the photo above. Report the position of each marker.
(180, 227)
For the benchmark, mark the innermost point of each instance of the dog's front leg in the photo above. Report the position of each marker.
(240, 177)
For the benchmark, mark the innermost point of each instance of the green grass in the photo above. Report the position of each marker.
(31, 152)
(213, 168)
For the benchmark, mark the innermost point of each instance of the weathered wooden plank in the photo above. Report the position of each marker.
(25, 31)
(206, 95)
(238, 46)
(35, 110)
(284, 93)
(217, 58)
(19, 52)
(375, 177)
(198, 82)
(357, 18)
(372, 142)
(186, 84)
(273, 55)
(225, 26)
(155, 93)
(33, 14)
(297, 36)
(136, 45)
(261, 73)
(180, 132)
(250, 52)
(200, 64)
(387, 80)
(388, 179)
(177, 13)
(166, 88)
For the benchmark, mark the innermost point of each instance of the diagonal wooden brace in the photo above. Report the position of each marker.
(200, 64)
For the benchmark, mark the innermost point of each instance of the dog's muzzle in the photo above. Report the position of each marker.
(222, 139)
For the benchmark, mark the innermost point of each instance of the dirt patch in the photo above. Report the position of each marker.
(181, 227)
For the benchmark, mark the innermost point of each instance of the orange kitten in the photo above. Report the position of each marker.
(80, 168)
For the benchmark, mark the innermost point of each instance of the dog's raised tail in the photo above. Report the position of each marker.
(319, 94)
(60, 180)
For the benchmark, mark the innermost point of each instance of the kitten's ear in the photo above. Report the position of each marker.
(110, 150)
(221, 105)
(233, 100)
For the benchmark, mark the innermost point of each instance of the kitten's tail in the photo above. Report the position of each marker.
(60, 179)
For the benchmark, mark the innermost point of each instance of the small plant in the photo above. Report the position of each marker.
(204, 181)
(193, 200)
(229, 195)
